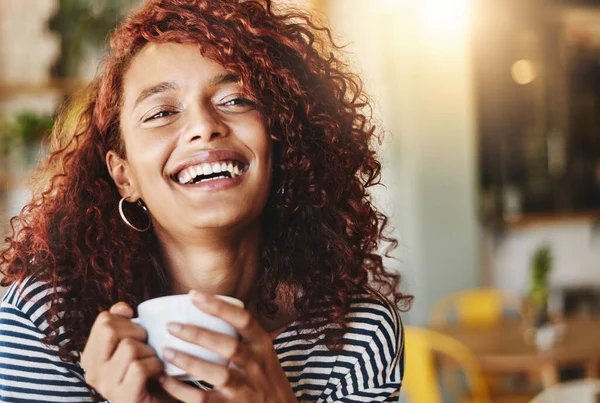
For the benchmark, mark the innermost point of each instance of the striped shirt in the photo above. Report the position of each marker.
(368, 369)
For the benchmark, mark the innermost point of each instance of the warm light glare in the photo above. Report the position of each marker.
(444, 16)
(395, 3)
(523, 71)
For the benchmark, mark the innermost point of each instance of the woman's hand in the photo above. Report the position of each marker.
(255, 376)
(117, 361)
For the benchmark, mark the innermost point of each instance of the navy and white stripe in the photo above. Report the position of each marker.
(368, 369)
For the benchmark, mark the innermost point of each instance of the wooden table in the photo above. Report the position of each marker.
(503, 349)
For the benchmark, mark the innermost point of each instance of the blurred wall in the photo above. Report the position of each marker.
(575, 250)
(27, 50)
(417, 66)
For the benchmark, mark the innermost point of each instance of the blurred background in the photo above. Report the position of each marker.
(491, 168)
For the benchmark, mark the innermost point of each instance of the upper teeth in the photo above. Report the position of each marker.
(207, 168)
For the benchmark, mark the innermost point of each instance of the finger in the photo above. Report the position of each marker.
(138, 373)
(128, 351)
(215, 374)
(226, 346)
(108, 330)
(236, 316)
(185, 393)
(122, 309)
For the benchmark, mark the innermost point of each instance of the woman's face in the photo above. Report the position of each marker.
(198, 152)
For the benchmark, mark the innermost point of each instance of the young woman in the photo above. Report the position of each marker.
(223, 149)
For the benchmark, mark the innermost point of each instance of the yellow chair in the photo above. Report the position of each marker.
(475, 307)
(420, 383)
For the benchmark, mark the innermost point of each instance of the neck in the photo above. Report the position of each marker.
(223, 265)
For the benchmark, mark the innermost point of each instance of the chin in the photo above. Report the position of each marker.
(224, 218)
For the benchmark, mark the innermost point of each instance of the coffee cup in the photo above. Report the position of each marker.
(544, 337)
(154, 315)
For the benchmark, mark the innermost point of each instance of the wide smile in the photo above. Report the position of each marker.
(211, 171)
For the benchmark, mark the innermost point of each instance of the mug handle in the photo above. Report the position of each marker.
(137, 321)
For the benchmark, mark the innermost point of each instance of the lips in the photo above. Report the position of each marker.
(210, 171)
(210, 165)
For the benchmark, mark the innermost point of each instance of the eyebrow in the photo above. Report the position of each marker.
(171, 85)
(156, 89)
(223, 79)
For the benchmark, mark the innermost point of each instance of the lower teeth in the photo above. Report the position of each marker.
(215, 178)
(192, 181)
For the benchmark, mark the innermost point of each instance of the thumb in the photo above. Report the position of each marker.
(122, 309)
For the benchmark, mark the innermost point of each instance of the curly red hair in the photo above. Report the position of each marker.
(320, 237)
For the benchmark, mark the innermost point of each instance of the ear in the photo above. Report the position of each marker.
(119, 171)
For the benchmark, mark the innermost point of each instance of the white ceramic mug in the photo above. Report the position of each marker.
(544, 337)
(154, 315)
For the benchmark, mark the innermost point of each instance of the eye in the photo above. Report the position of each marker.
(160, 114)
(239, 101)
(239, 104)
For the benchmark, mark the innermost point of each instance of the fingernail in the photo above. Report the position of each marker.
(168, 354)
(174, 327)
(197, 296)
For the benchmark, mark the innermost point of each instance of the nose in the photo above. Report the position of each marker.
(205, 125)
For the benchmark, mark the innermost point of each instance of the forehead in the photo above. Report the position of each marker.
(167, 62)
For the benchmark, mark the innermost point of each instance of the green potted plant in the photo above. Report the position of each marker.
(541, 332)
(22, 135)
(539, 289)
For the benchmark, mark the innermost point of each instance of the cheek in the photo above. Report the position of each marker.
(253, 134)
(263, 146)
(266, 156)
(147, 160)
(267, 146)
(268, 152)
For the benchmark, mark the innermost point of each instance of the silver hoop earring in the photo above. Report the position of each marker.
(281, 191)
(142, 206)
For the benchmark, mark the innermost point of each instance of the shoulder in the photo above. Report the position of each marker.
(371, 319)
(27, 294)
(370, 359)
(373, 312)
(374, 329)
(29, 300)
(373, 333)
(31, 369)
